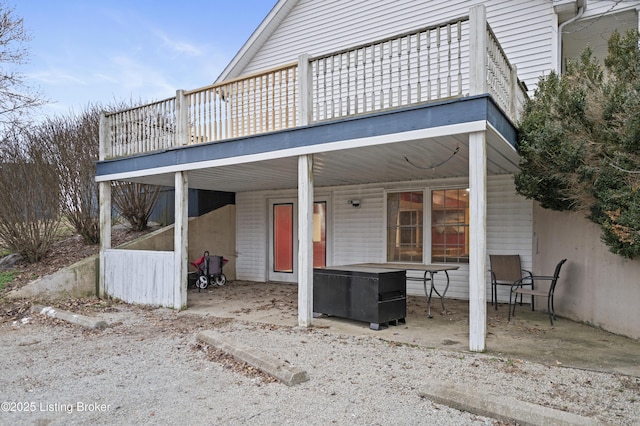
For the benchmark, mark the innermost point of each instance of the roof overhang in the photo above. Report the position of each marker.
(268, 25)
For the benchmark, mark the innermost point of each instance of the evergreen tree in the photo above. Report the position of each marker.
(579, 142)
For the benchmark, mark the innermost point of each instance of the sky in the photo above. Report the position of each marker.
(103, 51)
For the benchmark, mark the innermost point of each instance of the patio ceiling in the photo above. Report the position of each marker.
(362, 165)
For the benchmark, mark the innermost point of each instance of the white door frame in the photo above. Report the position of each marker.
(289, 277)
(286, 276)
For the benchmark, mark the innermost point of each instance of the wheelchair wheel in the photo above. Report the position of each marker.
(220, 280)
(203, 282)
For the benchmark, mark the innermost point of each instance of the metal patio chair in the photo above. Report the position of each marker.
(505, 270)
(517, 288)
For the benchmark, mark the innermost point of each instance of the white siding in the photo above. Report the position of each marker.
(317, 27)
(509, 226)
(251, 237)
(597, 25)
(358, 232)
(357, 235)
(596, 8)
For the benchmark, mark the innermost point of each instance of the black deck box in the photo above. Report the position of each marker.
(374, 295)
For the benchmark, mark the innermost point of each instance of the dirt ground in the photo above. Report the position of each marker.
(64, 252)
(147, 367)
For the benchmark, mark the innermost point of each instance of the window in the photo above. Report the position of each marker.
(405, 230)
(450, 226)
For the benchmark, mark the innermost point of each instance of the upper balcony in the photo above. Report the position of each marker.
(451, 60)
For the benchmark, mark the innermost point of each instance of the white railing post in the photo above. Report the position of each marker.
(105, 137)
(182, 119)
(477, 50)
(305, 87)
(515, 89)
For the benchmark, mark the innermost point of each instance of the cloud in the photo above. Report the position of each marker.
(55, 77)
(181, 47)
(133, 75)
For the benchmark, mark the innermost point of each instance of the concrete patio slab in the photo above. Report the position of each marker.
(528, 336)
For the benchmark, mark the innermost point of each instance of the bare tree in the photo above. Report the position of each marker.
(29, 196)
(73, 140)
(135, 201)
(16, 97)
(75, 143)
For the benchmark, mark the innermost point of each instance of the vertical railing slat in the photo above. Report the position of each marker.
(449, 60)
(417, 64)
(459, 29)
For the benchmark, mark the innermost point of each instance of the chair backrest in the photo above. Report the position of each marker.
(556, 275)
(216, 265)
(505, 267)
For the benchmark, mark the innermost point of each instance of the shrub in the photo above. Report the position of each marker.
(579, 142)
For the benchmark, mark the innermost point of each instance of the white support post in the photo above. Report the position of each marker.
(180, 240)
(104, 189)
(104, 200)
(305, 240)
(477, 50)
(305, 80)
(478, 241)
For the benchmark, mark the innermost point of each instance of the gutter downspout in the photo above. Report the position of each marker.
(561, 27)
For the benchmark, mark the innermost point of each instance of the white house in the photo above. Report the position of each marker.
(357, 131)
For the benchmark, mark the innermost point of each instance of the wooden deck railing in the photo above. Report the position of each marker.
(250, 105)
(414, 67)
(502, 79)
(428, 64)
(143, 129)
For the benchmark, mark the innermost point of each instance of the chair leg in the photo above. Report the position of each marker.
(550, 310)
(509, 307)
(533, 298)
(494, 296)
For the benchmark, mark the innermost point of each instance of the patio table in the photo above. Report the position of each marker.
(431, 270)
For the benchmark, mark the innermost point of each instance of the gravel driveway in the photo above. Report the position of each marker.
(148, 368)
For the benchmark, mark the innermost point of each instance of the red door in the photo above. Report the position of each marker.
(283, 237)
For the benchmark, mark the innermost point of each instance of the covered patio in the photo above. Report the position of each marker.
(466, 139)
(527, 337)
(459, 131)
